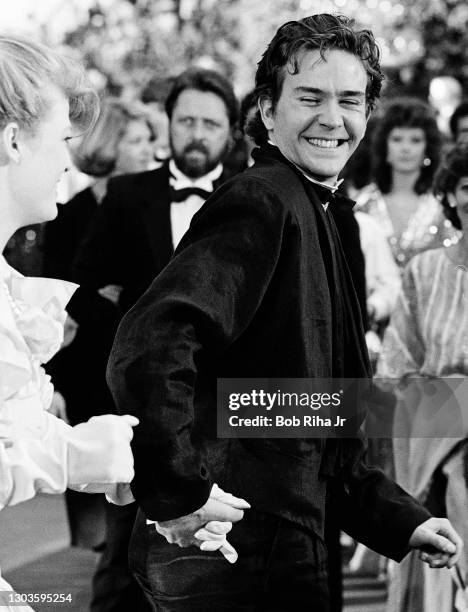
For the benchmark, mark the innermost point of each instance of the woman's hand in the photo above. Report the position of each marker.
(99, 450)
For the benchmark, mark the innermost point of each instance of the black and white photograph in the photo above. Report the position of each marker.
(233, 306)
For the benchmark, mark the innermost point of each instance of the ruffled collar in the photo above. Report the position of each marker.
(32, 316)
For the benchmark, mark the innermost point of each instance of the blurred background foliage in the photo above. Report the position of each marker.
(125, 42)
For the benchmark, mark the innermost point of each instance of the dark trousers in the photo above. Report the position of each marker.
(114, 587)
(281, 567)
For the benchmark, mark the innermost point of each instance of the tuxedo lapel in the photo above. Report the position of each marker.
(155, 197)
(156, 217)
(324, 220)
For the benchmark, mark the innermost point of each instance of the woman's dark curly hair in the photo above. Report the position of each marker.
(323, 32)
(406, 113)
(453, 168)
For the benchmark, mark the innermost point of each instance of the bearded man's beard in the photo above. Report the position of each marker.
(195, 160)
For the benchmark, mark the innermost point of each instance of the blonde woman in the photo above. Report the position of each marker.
(44, 101)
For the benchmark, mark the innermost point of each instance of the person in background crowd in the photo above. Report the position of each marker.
(248, 108)
(382, 278)
(44, 101)
(405, 154)
(133, 236)
(357, 173)
(427, 339)
(119, 143)
(406, 151)
(445, 94)
(259, 287)
(144, 216)
(459, 123)
(383, 282)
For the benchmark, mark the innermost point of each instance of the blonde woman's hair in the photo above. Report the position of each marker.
(96, 155)
(27, 70)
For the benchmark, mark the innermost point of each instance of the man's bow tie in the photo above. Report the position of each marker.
(180, 195)
(326, 196)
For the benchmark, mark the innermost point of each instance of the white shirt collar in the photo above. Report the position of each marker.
(178, 180)
(332, 188)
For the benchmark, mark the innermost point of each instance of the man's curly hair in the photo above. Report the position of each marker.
(324, 32)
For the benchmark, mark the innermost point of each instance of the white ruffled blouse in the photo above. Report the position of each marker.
(33, 448)
(37, 449)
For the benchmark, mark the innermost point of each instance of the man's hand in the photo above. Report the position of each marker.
(182, 530)
(213, 535)
(208, 526)
(438, 542)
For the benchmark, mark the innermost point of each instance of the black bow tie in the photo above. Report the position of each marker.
(180, 195)
(325, 195)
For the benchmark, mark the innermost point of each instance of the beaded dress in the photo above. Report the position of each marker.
(427, 227)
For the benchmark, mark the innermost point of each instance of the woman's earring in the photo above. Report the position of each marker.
(427, 162)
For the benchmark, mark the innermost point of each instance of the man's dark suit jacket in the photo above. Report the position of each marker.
(246, 295)
(128, 243)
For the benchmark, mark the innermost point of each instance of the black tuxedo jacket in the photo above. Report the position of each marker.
(128, 244)
(252, 292)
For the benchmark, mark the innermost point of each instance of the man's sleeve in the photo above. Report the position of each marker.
(375, 510)
(194, 310)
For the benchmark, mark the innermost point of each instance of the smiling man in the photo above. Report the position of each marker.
(321, 114)
(259, 288)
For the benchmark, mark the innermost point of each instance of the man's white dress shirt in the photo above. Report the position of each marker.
(182, 212)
